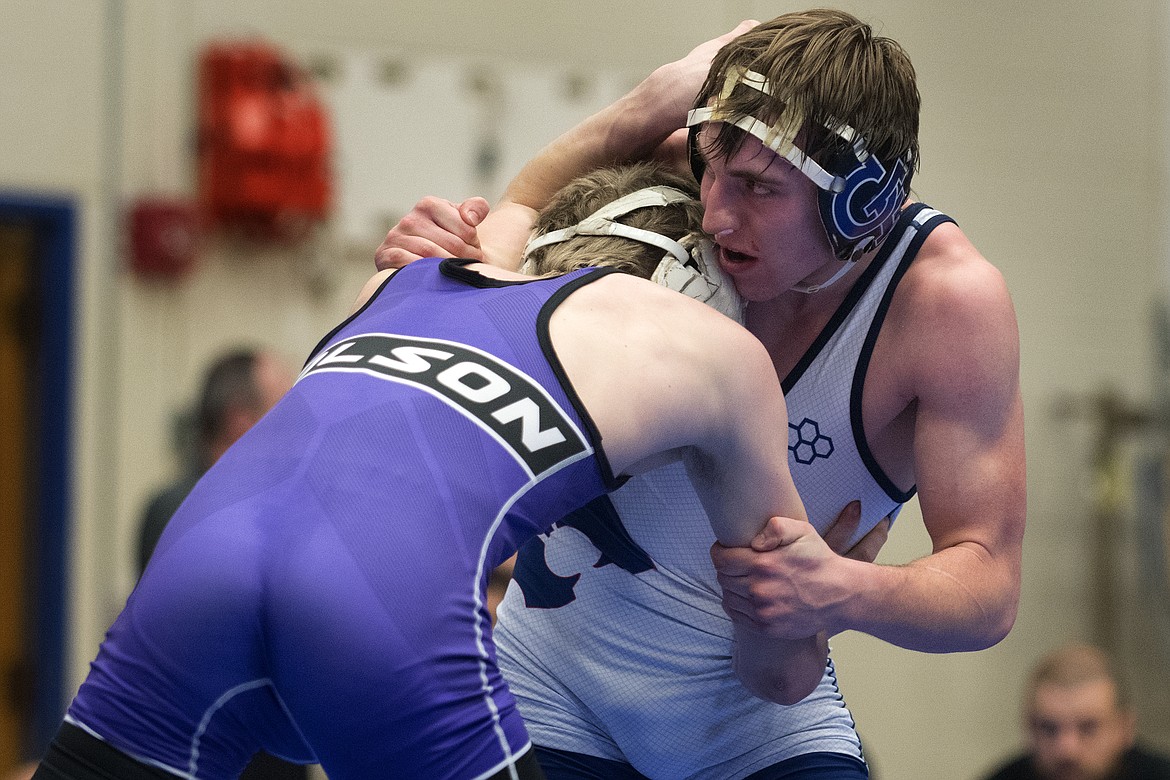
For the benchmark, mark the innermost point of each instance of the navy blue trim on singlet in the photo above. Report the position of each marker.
(831, 671)
(542, 334)
(567, 765)
(838, 319)
(855, 406)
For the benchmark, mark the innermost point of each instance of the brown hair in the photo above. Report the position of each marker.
(586, 194)
(826, 68)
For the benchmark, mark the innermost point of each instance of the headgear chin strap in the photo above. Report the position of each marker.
(689, 265)
(860, 196)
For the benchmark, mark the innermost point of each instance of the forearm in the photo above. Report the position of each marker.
(958, 599)
(782, 671)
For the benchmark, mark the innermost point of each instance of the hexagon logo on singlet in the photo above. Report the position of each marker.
(807, 443)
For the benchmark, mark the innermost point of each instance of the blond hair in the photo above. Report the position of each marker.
(1073, 665)
(586, 194)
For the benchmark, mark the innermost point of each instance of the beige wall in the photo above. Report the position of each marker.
(1043, 134)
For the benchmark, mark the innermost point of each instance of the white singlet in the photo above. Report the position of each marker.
(623, 650)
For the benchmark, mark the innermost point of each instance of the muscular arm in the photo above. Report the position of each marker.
(747, 476)
(970, 471)
(962, 377)
(632, 128)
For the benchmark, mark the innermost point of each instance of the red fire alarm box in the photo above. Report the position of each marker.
(264, 139)
(164, 237)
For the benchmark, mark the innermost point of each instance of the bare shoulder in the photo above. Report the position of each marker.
(954, 309)
(657, 370)
(370, 287)
(950, 281)
(668, 323)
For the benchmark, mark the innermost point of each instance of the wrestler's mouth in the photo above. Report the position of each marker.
(732, 257)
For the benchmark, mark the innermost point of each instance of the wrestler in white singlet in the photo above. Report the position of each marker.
(624, 650)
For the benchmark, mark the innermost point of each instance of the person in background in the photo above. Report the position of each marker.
(1079, 723)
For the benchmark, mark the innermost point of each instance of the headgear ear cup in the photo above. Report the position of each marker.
(701, 278)
(689, 265)
(865, 210)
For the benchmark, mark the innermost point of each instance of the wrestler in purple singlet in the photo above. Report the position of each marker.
(320, 595)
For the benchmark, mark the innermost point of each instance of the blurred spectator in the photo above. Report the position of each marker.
(1080, 724)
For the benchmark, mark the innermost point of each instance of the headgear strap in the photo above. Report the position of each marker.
(602, 222)
(689, 266)
(773, 136)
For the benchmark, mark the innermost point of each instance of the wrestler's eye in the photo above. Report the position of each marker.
(756, 187)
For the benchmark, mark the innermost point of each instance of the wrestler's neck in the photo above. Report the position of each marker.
(789, 323)
(817, 292)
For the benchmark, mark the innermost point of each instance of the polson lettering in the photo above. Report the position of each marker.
(499, 397)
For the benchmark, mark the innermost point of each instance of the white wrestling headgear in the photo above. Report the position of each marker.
(689, 266)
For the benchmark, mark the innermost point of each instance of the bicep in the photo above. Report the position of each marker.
(968, 444)
(971, 477)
